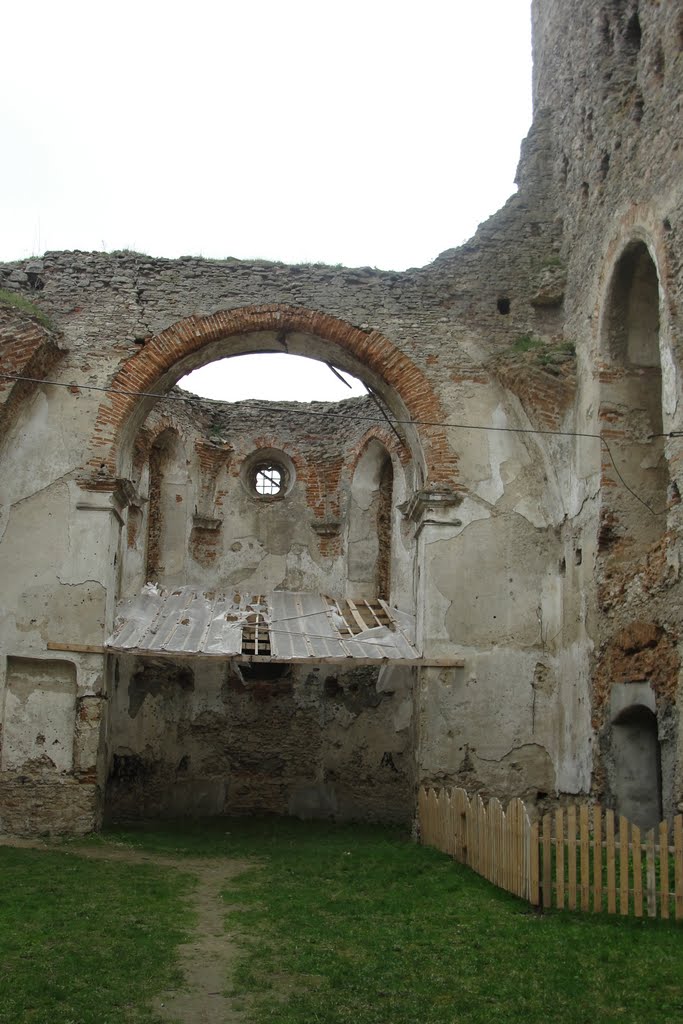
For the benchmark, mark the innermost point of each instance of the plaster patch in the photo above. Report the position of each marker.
(498, 446)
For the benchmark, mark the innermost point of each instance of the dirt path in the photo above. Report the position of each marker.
(207, 959)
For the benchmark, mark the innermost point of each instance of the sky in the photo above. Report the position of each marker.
(369, 133)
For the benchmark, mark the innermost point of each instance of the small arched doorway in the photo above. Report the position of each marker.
(636, 755)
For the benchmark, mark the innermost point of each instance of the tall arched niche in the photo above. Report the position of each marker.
(636, 473)
(370, 524)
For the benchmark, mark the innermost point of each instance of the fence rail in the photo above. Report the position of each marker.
(579, 857)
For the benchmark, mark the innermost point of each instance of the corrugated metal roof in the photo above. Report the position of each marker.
(290, 626)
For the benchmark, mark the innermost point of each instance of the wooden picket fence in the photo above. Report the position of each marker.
(579, 857)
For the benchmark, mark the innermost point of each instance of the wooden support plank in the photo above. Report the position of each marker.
(636, 853)
(597, 858)
(650, 873)
(349, 662)
(664, 869)
(373, 615)
(585, 857)
(359, 620)
(571, 857)
(611, 863)
(678, 866)
(559, 859)
(78, 648)
(623, 865)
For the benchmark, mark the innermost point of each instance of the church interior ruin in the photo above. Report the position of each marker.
(471, 576)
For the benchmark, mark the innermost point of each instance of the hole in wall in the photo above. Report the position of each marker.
(578, 556)
(565, 168)
(503, 306)
(633, 35)
(264, 672)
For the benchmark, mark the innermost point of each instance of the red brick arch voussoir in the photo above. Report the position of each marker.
(142, 371)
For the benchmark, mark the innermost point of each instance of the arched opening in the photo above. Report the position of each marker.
(370, 524)
(250, 510)
(196, 341)
(168, 487)
(272, 377)
(636, 755)
(631, 409)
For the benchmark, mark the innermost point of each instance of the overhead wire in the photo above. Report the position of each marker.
(274, 406)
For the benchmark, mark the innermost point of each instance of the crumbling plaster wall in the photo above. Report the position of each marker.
(55, 572)
(446, 319)
(608, 78)
(314, 741)
(231, 537)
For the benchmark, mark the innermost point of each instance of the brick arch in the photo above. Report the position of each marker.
(144, 370)
(27, 349)
(386, 439)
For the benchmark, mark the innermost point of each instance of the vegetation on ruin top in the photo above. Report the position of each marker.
(15, 300)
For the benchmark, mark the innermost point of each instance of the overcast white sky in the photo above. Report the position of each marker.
(369, 132)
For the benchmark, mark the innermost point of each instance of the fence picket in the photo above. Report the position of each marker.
(513, 811)
(547, 862)
(559, 858)
(678, 865)
(623, 865)
(611, 863)
(531, 861)
(571, 857)
(533, 866)
(650, 873)
(584, 884)
(520, 840)
(495, 815)
(597, 858)
(637, 871)
(664, 869)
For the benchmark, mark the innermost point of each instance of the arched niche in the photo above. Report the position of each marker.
(637, 767)
(631, 407)
(369, 524)
(167, 507)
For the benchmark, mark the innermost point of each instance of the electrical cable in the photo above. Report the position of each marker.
(196, 399)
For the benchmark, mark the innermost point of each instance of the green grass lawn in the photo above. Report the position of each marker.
(86, 942)
(356, 925)
(338, 925)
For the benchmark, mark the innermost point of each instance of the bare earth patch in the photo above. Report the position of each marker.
(207, 960)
